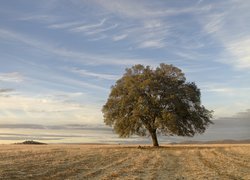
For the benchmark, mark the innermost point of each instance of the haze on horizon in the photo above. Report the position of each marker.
(60, 58)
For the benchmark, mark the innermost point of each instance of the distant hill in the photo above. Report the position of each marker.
(32, 142)
(226, 141)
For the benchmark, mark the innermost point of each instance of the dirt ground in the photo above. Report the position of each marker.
(124, 162)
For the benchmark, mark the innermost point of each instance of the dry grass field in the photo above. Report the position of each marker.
(124, 162)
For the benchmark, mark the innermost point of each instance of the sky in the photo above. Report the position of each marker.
(59, 58)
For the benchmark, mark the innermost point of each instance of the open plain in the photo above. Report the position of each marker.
(223, 161)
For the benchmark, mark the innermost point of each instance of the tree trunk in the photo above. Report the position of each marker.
(154, 138)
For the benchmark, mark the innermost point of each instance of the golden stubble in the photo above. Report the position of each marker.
(124, 162)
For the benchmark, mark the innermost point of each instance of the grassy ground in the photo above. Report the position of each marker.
(124, 162)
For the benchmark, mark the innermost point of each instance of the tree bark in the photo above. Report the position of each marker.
(154, 138)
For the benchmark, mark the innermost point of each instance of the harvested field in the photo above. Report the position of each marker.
(124, 162)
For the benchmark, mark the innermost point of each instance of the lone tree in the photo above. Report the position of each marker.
(148, 101)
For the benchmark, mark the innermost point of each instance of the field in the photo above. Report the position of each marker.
(124, 162)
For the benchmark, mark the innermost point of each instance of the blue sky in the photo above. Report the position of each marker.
(59, 58)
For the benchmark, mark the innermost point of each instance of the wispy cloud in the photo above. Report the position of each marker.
(39, 18)
(223, 89)
(214, 23)
(151, 25)
(119, 37)
(147, 10)
(11, 77)
(65, 25)
(84, 72)
(147, 34)
(65, 81)
(229, 28)
(147, 27)
(101, 30)
(18, 108)
(152, 44)
(98, 38)
(88, 26)
(96, 31)
(143, 32)
(240, 49)
(81, 57)
(209, 40)
(10, 35)
(127, 8)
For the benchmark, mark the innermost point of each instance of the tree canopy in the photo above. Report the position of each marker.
(147, 101)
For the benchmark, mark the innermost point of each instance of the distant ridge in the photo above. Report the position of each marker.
(226, 141)
(32, 142)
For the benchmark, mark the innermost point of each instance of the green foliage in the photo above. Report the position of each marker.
(155, 101)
